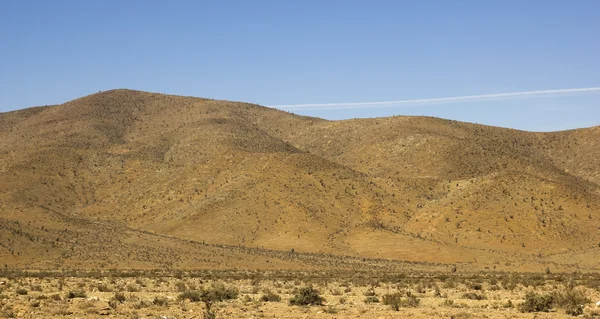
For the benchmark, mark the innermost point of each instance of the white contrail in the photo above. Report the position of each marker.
(434, 100)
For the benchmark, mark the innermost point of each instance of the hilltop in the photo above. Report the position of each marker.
(130, 179)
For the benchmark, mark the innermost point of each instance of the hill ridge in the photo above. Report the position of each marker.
(416, 189)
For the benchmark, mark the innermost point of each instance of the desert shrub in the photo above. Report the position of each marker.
(215, 293)
(396, 301)
(476, 286)
(330, 310)
(307, 296)
(392, 300)
(160, 301)
(132, 288)
(536, 303)
(193, 296)
(474, 296)
(572, 300)
(103, 288)
(22, 291)
(371, 299)
(270, 296)
(220, 292)
(120, 297)
(76, 294)
(411, 301)
(113, 303)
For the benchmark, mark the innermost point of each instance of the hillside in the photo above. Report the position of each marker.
(130, 179)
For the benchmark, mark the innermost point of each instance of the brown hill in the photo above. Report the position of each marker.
(133, 179)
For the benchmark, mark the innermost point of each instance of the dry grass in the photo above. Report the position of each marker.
(401, 296)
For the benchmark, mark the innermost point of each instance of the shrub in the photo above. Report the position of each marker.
(411, 301)
(572, 300)
(76, 294)
(220, 292)
(330, 310)
(22, 291)
(536, 303)
(160, 301)
(476, 286)
(217, 292)
(396, 301)
(393, 300)
(193, 296)
(270, 296)
(307, 296)
(120, 297)
(371, 299)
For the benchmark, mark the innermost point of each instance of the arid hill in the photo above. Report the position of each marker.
(129, 179)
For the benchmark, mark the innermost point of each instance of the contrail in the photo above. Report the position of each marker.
(434, 100)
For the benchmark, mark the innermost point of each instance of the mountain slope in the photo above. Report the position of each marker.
(218, 172)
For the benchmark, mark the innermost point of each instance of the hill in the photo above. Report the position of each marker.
(129, 179)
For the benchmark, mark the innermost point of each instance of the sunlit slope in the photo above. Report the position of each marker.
(218, 172)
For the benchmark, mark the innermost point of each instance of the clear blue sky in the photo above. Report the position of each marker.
(291, 52)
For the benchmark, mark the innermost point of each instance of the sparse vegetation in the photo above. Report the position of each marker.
(535, 302)
(397, 301)
(307, 296)
(270, 296)
(76, 294)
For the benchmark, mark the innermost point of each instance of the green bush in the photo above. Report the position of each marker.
(536, 303)
(571, 300)
(220, 292)
(307, 296)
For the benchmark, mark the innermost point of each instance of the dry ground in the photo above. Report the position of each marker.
(162, 295)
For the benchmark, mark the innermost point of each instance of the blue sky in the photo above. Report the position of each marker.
(294, 52)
